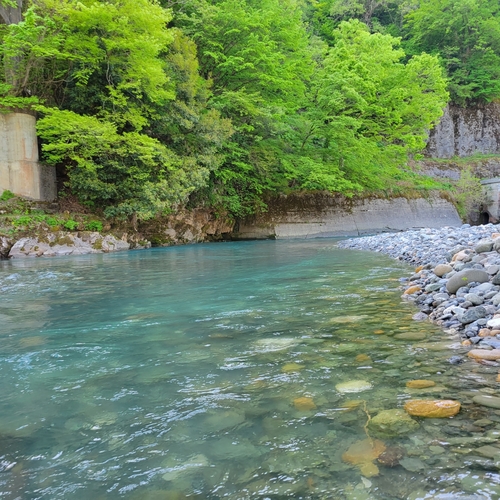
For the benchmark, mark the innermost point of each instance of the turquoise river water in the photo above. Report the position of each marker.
(212, 372)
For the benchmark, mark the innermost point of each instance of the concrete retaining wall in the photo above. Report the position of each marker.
(315, 216)
(20, 171)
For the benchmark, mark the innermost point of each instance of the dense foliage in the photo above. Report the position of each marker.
(464, 34)
(146, 105)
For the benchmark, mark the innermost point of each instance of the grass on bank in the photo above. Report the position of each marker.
(463, 161)
(18, 216)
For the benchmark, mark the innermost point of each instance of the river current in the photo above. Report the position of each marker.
(218, 371)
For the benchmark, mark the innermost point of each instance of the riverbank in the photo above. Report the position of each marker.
(36, 229)
(456, 283)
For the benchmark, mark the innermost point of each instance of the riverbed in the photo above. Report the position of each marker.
(237, 370)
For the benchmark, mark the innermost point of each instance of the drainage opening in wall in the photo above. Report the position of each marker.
(484, 218)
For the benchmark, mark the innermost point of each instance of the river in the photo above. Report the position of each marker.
(226, 371)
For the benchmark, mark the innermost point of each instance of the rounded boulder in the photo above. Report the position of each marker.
(442, 269)
(391, 423)
(432, 408)
(465, 277)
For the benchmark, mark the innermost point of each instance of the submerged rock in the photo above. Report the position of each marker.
(485, 400)
(420, 384)
(363, 358)
(411, 336)
(363, 453)
(349, 319)
(391, 456)
(292, 368)
(274, 344)
(412, 464)
(353, 386)
(192, 465)
(304, 403)
(437, 408)
(391, 423)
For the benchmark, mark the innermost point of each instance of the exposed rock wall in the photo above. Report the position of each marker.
(466, 131)
(59, 243)
(185, 226)
(324, 215)
(484, 168)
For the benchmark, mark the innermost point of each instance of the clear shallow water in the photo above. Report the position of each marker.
(210, 371)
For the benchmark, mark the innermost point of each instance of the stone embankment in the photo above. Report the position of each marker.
(456, 284)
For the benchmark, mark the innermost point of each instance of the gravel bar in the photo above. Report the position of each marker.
(456, 283)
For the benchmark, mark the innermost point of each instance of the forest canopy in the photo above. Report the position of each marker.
(145, 106)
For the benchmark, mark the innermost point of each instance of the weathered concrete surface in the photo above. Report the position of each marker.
(323, 215)
(492, 199)
(20, 171)
(466, 131)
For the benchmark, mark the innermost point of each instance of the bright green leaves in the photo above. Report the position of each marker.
(251, 48)
(129, 123)
(128, 173)
(117, 66)
(224, 102)
(370, 110)
(466, 35)
(256, 55)
(101, 56)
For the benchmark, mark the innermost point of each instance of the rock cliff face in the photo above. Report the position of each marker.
(325, 215)
(63, 243)
(185, 226)
(466, 131)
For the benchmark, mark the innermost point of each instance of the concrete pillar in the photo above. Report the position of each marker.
(20, 171)
(492, 198)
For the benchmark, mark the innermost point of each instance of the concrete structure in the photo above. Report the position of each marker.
(323, 215)
(20, 171)
(491, 209)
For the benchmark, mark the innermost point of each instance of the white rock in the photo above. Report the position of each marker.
(494, 323)
(63, 243)
(353, 386)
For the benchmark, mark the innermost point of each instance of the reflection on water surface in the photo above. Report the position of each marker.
(240, 370)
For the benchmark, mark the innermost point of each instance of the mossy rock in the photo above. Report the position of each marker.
(97, 244)
(392, 423)
(65, 240)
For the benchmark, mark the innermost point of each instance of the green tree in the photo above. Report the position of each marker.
(368, 111)
(109, 73)
(256, 55)
(384, 16)
(466, 36)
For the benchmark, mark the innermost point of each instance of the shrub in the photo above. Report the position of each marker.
(94, 225)
(7, 195)
(70, 225)
(468, 193)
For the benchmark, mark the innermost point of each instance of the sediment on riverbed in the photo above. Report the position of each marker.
(456, 283)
